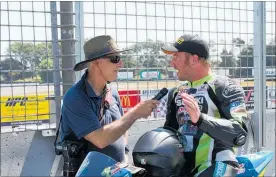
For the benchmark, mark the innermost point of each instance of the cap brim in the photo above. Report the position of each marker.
(83, 64)
(169, 50)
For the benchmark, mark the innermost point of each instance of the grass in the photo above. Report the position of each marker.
(30, 79)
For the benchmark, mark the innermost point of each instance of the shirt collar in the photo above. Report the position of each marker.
(89, 90)
(200, 81)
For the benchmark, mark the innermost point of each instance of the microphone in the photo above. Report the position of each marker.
(161, 94)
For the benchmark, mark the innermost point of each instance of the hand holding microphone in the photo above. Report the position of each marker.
(161, 94)
(145, 108)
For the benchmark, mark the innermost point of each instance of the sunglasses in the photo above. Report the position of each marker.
(114, 59)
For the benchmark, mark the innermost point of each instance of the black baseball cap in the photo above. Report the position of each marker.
(189, 43)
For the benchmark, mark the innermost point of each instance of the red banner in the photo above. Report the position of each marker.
(129, 98)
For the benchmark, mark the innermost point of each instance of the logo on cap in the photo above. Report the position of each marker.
(179, 40)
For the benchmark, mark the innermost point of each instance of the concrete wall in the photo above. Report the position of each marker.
(31, 154)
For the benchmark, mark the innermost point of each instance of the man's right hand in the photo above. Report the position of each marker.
(108, 134)
(144, 108)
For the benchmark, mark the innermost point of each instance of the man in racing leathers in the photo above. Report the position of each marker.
(209, 110)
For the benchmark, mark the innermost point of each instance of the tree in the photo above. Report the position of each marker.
(238, 42)
(214, 63)
(145, 55)
(44, 66)
(211, 46)
(29, 54)
(273, 41)
(245, 62)
(227, 59)
(15, 67)
(271, 53)
(246, 59)
(149, 55)
(128, 60)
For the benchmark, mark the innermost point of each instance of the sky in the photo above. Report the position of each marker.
(136, 22)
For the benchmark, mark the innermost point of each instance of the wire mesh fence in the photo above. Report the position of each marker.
(35, 75)
(270, 55)
(146, 26)
(26, 59)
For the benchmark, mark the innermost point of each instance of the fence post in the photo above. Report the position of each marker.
(67, 44)
(79, 31)
(259, 74)
(56, 66)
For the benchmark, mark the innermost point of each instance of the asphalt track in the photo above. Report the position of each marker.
(48, 89)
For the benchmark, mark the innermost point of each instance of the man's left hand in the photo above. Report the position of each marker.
(191, 106)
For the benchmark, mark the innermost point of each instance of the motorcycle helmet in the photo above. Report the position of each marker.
(160, 152)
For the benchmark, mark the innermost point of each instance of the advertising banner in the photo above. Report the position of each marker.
(271, 97)
(150, 74)
(249, 97)
(129, 98)
(270, 72)
(125, 75)
(23, 110)
(132, 97)
(160, 111)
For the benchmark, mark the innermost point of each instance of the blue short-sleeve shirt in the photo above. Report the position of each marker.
(81, 112)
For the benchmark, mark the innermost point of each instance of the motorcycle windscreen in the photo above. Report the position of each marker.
(254, 164)
(94, 164)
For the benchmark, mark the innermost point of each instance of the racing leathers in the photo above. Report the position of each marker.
(220, 127)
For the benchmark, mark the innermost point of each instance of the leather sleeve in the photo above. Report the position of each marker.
(230, 128)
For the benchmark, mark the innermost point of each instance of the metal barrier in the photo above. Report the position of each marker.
(41, 42)
(26, 66)
(36, 63)
(145, 26)
(270, 56)
(236, 31)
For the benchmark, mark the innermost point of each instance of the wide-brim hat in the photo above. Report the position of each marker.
(96, 48)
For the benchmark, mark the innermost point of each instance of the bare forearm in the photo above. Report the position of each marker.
(108, 134)
(111, 132)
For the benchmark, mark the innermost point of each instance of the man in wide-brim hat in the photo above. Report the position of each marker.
(91, 111)
(100, 47)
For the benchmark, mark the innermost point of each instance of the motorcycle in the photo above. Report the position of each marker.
(98, 164)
